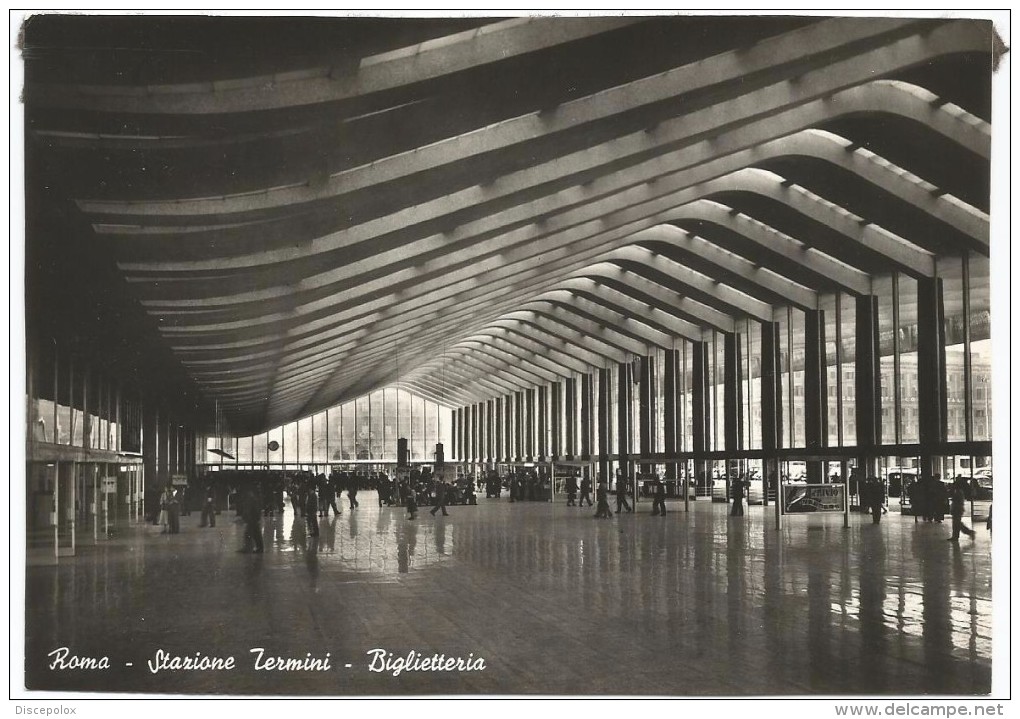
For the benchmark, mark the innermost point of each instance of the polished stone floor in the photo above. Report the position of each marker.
(554, 601)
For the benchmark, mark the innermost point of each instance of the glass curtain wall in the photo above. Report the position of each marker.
(364, 429)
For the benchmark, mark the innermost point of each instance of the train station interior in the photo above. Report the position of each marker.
(689, 262)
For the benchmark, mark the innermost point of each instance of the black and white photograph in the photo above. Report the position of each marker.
(601, 354)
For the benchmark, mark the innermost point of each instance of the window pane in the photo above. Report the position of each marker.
(375, 436)
(275, 456)
(752, 386)
(417, 429)
(687, 398)
(980, 348)
(848, 338)
(785, 400)
(319, 438)
(659, 413)
(333, 422)
(716, 379)
(260, 455)
(304, 433)
(950, 269)
(432, 429)
(348, 432)
(883, 289)
(612, 392)
(797, 377)
(404, 417)
(290, 443)
(830, 420)
(390, 425)
(909, 420)
(363, 432)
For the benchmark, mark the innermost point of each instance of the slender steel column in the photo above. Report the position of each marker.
(570, 407)
(623, 395)
(556, 421)
(867, 383)
(670, 421)
(701, 409)
(605, 425)
(585, 449)
(931, 375)
(771, 402)
(508, 446)
(646, 407)
(816, 433)
(543, 422)
(733, 419)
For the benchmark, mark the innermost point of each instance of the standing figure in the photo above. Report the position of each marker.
(957, 502)
(659, 497)
(164, 508)
(412, 502)
(737, 490)
(251, 510)
(572, 490)
(209, 506)
(621, 493)
(312, 512)
(873, 496)
(602, 510)
(182, 498)
(585, 491)
(923, 495)
(939, 499)
(173, 510)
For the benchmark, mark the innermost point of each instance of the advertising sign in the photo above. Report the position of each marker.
(813, 498)
(109, 485)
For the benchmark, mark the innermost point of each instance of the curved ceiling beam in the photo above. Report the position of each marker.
(524, 243)
(551, 368)
(833, 37)
(505, 352)
(659, 316)
(906, 256)
(875, 97)
(562, 301)
(385, 71)
(753, 276)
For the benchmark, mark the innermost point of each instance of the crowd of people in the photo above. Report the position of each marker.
(255, 494)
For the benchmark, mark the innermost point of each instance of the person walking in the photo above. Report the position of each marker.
(329, 499)
(957, 502)
(572, 490)
(441, 491)
(585, 491)
(658, 497)
(621, 494)
(352, 491)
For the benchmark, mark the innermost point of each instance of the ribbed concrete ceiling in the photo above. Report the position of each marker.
(473, 207)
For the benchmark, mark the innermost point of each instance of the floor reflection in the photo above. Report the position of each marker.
(694, 603)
